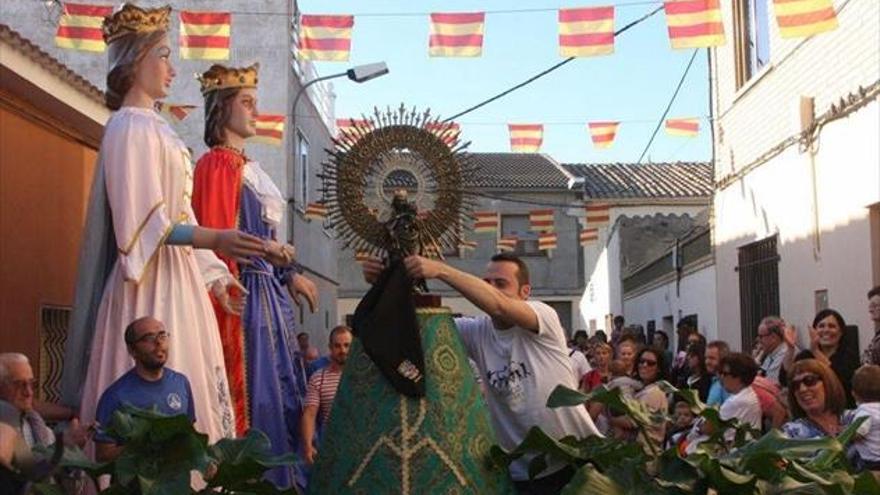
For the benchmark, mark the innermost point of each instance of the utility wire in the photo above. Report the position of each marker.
(547, 71)
(635, 3)
(671, 100)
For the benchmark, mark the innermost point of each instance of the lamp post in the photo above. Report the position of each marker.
(358, 74)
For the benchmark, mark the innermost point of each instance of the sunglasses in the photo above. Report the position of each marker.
(809, 381)
(647, 362)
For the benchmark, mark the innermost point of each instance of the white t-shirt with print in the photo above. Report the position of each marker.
(520, 368)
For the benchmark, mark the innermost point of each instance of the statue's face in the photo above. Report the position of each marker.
(243, 113)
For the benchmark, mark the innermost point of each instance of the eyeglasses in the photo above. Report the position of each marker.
(647, 362)
(23, 384)
(152, 338)
(809, 381)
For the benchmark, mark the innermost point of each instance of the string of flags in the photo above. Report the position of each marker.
(583, 32)
(597, 215)
(174, 111)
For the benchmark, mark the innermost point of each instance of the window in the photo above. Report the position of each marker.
(301, 187)
(758, 286)
(752, 38)
(527, 241)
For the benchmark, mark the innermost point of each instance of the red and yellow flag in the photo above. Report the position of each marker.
(506, 244)
(486, 221)
(588, 236)
(598, 214)
(586, 32)
(603, 133)
(456, 35)
(526, 138)
(547, 240)
(270, 129)
(802, 18)
(362, 256)
(541, 220)
(79, 27)
(683, 127)
(326, 37)
(316, 211)
(205, 35)
(694, 23)
(175, 112)
(467, 245)
(349, 130)
(448, 132)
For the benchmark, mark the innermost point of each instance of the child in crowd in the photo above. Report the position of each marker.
(621, 380)
(682, 422)
(864, 452)
(628, 387)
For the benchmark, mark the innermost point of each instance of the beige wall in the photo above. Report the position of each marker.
(824, 231)
(44, 183)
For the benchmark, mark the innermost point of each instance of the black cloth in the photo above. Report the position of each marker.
(385, 322)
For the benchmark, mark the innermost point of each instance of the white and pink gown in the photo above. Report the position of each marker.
(148, 178)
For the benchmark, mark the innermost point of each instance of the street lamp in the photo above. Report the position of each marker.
(358, 74)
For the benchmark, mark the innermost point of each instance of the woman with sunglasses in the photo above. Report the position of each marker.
(649, 370)
(816, 399)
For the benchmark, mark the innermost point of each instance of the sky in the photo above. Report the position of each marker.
(632, 85)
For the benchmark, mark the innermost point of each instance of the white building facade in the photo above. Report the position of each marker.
(797, 169)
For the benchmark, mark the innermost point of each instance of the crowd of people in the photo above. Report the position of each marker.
(189, 311)
(807, 393)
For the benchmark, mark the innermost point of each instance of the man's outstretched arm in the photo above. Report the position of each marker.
(513, 312)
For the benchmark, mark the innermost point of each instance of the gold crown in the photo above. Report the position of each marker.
(219, 77)
(133, 19)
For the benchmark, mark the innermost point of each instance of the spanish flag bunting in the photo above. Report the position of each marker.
(448, 132)
(467, 245)
(456, 35)
(603, 133)
(270, 129)
(326, 37)
(541, 220)
(547, 241)
(526, 138)
(588, 236)
(598, 214)
(694, 23)
(316, 211)
(205, 35)
(486, 221)
(175, 112)
(683, 127)
(79, 27)
(586, 32)
(362, 256)
(351, 129)
(802, 18)
(507, 243)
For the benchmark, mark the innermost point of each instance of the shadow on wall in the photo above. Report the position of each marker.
(841, 266)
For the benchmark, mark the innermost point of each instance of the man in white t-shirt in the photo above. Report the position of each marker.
(520, 349)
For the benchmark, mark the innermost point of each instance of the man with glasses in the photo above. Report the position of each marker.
(771, 338)
(148, 385)
(872, 352)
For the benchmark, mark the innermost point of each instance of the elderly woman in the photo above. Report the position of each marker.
(816, 398)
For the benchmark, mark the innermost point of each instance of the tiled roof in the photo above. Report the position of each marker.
(650, 180)
(50, 63)
(517, 171)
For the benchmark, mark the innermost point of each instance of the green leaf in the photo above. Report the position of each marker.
(866, 484)
(589, 481)
(242, 461)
